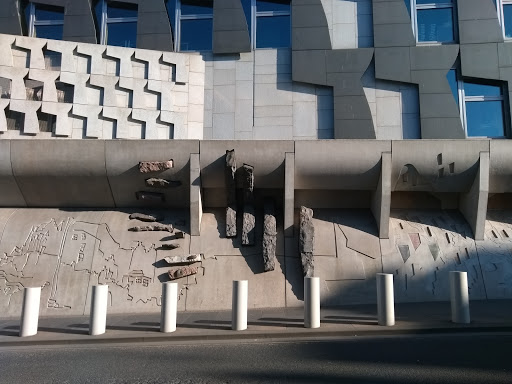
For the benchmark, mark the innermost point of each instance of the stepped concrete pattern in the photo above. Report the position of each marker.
(66, 252)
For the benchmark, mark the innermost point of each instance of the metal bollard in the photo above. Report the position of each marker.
(30, 311)
(98, 318)
(385, 299)
(311, 302)
(239, 307)
(459, 297)
(169, 307)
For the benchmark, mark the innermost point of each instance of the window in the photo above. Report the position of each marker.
(270, 24)
(45, 21)
(481, 106)
(433, 20)
(118, 23)
(504, 9)
(192, 22)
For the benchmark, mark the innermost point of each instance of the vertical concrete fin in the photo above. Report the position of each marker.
(289, 193)
(473, 204)
(196, 206)
(381, 197)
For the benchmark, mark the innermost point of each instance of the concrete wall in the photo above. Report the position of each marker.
(67, 251)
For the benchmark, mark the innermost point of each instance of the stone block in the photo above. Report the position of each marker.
(137, 87)
(29, 108)
(3, 121)
(66, 48)
(17, 77)
(149, 117)
(109, 85)
(61, 111)
(35, 46)
(79, 81)
(6, 42)
(124, 55)
(224, 99)
(153, 60)
(98, 65)
(91, 113)
(306, 240)
(48, 79)
(120, 115)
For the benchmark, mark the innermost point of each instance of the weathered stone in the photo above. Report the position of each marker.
(144, 217)
(156, 227)
(248, 183)
(269, 236)
(306, 240)
(248, 225)
(150, 196)
(229, 176)
(155, 166)
(162, 183)
(178, 273)
(183, 260)
(230, 222)
(168, 246)
(179, 235)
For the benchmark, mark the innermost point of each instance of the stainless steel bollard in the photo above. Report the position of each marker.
(169, 307)
(459, 297)
(239, 305)
(30, 311)
(385, 299)
(98, 318)
(312, 302)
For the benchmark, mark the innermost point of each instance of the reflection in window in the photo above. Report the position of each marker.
(433, 20)
(44, 21)
(504, 9)
(192, 24)
(481, 106)
(118, 23)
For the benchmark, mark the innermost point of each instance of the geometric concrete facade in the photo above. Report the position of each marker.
(354, 119)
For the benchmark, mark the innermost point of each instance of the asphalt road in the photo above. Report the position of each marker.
(463, 358)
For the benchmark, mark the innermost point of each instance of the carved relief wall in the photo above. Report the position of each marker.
(63, 89)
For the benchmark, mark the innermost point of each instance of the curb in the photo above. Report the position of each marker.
(240, 335)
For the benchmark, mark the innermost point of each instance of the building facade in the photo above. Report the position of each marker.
(389, 118)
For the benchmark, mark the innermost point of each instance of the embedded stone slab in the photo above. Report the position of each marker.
(29, 108)
(168, 246)
(184, 260)
(17, 76)
(150, 196)
(306, 240)
(230, 180)
(178, 273)
(155, 166)
(162, 183)
(269, 236)
(145, 217)
(35, 46)
(248, 225)
(248, 182)
(151, 228)
(66, 49)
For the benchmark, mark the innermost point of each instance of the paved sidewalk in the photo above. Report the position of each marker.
(280, 323)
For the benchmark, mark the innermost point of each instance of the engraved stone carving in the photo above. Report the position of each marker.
(168, 246)
(156, 227)
(144, 217)
(150, 196)
(249, 219)
(229, 174)
(269, 236)
(178, 273)
(306, 239)
(155, 166)
(183, 260)
(162, 183)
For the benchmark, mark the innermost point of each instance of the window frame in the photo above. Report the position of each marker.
(254, 20)
(500, 4)
(33, 23)
(414, 7)
(178, 17)
(463, 100)
(105, 20)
